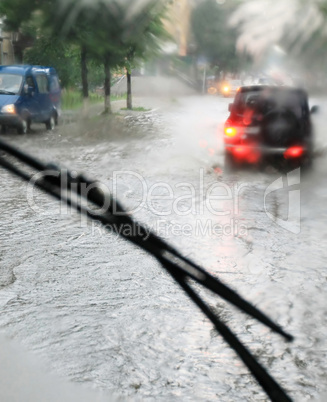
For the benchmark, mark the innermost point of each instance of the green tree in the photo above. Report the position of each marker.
(17, 12)
(50, 50)
(31, 19)
(214, 39)
(119, 33)
(77, 32)
(295, 30)
(110, 32)
(99, 28)
(296, 26)
(145, 42)
(47, 23)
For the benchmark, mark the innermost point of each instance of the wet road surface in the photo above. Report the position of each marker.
(103, 313)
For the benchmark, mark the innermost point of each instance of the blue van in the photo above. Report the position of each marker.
(28, 94)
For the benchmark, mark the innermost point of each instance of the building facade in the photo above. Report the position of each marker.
(7, 53)
(178, 24)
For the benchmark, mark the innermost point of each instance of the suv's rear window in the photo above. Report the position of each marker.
(264, 101)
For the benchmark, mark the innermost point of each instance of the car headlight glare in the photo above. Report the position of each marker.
(9, 109)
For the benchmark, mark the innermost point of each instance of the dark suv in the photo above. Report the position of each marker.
(269, 123)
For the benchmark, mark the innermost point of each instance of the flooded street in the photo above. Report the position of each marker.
(103, 313)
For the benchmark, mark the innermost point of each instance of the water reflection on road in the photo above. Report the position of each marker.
(102, 312)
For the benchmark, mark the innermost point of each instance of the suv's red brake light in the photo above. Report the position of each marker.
(293, 152)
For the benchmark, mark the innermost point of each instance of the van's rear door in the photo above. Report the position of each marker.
(43, 97)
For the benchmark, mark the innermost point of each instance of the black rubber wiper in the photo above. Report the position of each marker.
(60, 183)
(4, 92)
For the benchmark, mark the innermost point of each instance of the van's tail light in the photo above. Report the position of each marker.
(294, 152)
(230, 131)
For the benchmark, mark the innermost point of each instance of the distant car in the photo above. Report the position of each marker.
(229, 88)
(212, 85)
(269, 122)
(28, 94)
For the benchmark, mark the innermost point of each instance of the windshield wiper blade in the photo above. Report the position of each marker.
(4, 92)
(179, 267)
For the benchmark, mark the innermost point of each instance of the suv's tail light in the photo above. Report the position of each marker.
(294, 152)
(230, 131)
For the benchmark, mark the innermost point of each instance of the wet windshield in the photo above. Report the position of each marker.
(146, 88)
(10, 83)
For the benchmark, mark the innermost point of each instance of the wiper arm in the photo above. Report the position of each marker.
(4, 92)
(179, 267)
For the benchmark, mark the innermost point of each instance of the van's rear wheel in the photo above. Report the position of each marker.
(51, 123)
(24, 126)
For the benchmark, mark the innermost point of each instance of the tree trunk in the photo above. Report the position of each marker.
(85, 85)
(129, 91)
(107, 104)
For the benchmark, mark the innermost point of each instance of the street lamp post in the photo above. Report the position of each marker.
(1, 42)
